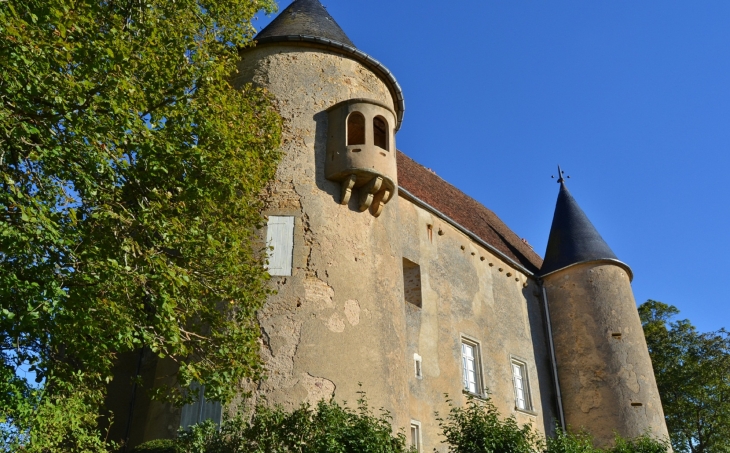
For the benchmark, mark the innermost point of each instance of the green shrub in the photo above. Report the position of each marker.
(582, 442)
(478, 428)
(325, 428)
(566, 442)
(330, 427)
(643, 444)
(157, 446)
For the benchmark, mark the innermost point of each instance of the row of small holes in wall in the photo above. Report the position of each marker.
(429, 227)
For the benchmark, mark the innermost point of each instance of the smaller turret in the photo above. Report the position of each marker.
(604, 369)
(361, 152)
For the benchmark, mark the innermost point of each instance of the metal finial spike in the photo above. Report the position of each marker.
(561, 180)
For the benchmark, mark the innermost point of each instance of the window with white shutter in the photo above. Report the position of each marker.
(470, 367)
(200, 410)
(280, 240)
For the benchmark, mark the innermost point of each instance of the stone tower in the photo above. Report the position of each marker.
(337, 319)
(604, 370)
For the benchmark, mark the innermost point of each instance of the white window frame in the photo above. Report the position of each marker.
(523, 381)
(476, 366)
(416, 436)
(280, 243)
(418, 365)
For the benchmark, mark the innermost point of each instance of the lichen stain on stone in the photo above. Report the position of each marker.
(352, 312)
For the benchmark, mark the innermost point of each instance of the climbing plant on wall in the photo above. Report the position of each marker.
(129, 173)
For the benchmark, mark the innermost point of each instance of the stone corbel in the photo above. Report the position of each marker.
(346, 189)
(379, 201)
(368, 191)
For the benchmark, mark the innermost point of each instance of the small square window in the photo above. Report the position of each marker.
(521, 385)
(471, 367)
(416, 435)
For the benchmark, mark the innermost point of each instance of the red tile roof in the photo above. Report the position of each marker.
(464, 210)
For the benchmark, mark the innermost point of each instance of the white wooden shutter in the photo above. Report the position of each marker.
(280, 236)
(200, 410)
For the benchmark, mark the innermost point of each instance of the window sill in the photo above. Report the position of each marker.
(526, 411)
(479, 396)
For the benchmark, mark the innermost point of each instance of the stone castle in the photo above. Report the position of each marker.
(389, 277)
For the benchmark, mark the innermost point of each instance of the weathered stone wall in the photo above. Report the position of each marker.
(339, 319)
(469, 292)
(605, 372)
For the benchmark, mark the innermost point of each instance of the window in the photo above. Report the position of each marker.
(522, 389)
(280, 236)
(470, 366)
(412, 283)
(200, 410)
(380, 132)
(416, 435)
(418, 362)
(355, 129)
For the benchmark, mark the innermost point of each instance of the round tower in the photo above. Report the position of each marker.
(603, 365)
(336, 264)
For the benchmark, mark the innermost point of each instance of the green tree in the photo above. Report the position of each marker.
(130, 172)
(693, 375)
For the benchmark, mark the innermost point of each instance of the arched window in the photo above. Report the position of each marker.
(355, 129)
(380, 132)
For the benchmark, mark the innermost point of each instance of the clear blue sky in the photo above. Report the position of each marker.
(631, 98)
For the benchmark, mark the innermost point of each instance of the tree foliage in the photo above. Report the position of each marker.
(476, 427)
(479, 428)
(130, 171)
(582, 442)
(693, 375)
(327, 427)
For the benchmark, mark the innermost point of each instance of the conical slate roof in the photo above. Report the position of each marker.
(305, 18)
(307, 22)
(573, 238)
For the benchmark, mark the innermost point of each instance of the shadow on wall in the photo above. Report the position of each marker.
(320, 154)
(541, 349)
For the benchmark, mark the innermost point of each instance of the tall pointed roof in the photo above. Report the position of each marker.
(573, 238)
(307, 23)
(305, 18)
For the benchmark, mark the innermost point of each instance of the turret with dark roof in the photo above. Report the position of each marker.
(573, 238)
(604, 371)
(307, 22)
